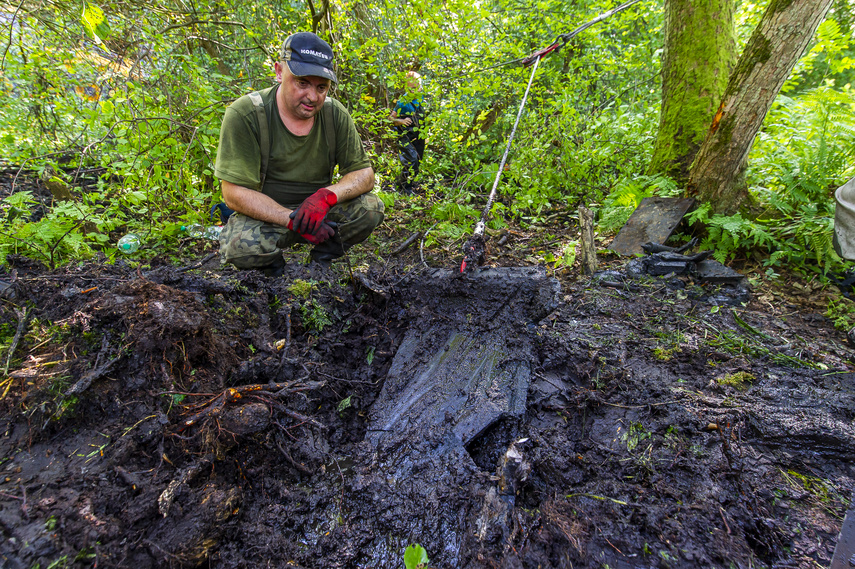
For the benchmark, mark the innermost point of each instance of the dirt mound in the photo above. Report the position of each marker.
(222, 418)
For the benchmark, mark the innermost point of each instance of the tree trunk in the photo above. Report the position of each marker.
(718, 173)
(213, 50)
(589, 245)
(481, 124)
(700, 50)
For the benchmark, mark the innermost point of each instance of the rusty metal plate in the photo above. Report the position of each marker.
(451, 379)
(654, 220)
(711, 271)
(844, 553)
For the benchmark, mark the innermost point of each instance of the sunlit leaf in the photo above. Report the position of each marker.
(95, 22)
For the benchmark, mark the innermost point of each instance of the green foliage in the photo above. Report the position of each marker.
(415, 557)
(822, 493)
(751, 345)
(566, 256)
(728, 234)
(137, 94)
(805, 151)
(831, 60)
(344, 404)
(842, 313)
(70, 230)
(634, 435)
(95, 23)
(315, 316)
(59, 563)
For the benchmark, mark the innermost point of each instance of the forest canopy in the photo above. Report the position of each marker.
(118, 106)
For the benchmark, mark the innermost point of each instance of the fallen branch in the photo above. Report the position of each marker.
(297, 416)
(422, 245)
(589, 245)
(197, 264)
(403, 246)
(23, 318)
(164, 501)
(84, 382)
(298, 465)
(363, 280)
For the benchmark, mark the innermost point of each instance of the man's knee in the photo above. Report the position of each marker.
(250, 244)
(359, 217)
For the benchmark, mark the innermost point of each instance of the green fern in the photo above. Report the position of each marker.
(806, 150)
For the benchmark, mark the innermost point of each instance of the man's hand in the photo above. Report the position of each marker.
(321, 234)
(309, 217)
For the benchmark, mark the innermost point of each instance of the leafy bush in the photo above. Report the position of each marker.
(805, 151)
(134, 96)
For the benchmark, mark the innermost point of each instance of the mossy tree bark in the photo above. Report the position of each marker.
(718, 173)
(700, 50)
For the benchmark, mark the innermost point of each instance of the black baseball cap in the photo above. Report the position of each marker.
(307, 54)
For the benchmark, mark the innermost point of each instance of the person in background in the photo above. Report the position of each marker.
(408, 116)
(277, 152)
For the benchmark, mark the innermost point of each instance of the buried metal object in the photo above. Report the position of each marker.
(655, 219)
(455, 377)
(662, 260)
(844, 553)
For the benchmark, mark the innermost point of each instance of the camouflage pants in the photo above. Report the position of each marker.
(248, 243)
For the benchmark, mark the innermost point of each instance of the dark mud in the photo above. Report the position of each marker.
(178, 418)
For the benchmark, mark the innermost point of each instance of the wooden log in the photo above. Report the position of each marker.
(589, 247)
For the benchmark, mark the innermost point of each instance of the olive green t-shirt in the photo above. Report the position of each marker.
(298, 165)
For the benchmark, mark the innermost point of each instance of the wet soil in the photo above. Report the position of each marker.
(164, 416)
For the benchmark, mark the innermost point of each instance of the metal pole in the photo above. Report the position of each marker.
(482, 223)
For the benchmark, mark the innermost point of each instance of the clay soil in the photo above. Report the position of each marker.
(187, 415)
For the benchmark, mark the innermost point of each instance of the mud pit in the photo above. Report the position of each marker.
(177, 418)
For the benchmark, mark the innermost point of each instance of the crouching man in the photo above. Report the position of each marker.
(278, 148)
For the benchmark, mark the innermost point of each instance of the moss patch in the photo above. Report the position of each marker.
(740, 380)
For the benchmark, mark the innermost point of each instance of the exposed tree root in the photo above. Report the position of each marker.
(265, 392)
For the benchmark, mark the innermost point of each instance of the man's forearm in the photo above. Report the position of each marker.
(254, 204)
(264, 208)
(354, 184)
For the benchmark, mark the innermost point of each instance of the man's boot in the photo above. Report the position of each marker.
(322, 258)
(329, 250)
(276, 269)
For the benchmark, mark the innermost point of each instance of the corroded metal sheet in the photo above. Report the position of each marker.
(844, 553)
(654, 220)
(465, 386)
(454, 377)
(711, 271)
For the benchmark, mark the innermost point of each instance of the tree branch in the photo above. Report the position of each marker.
(11, 30)
(196, 22)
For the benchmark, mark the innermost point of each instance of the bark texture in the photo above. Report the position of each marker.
(700, 51)
(589, 245)
(718, 173)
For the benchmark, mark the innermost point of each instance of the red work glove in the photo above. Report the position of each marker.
(309, 216)
(324, 231)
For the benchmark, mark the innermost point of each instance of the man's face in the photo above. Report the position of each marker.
(303, 96)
